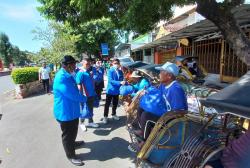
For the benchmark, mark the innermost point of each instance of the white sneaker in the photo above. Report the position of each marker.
(115, 117)
(94, 125)
(104, 120)
(83, 127)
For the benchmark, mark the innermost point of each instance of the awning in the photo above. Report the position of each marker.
(242, 15)
(233, 99)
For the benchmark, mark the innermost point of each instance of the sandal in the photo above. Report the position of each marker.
(132, 148)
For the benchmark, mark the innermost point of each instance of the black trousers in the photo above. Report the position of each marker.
(46, 85)
(109, 98)
(90, 103)
(98, 88)
(69, 133)
(146, 121)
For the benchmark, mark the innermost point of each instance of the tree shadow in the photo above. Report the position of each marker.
(106, 129)
(107, 149)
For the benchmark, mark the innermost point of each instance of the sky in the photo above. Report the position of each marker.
(17, 19)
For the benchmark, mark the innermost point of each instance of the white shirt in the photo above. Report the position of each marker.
(44, 72)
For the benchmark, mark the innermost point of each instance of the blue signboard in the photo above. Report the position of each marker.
(105, 49)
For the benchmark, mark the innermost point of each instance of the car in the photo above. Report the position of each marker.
(134, 65)
(32, 64)
(125, 60)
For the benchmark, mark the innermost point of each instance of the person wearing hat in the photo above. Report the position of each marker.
(67, 99)
(173, 93)
(139, 82)
(170, 96)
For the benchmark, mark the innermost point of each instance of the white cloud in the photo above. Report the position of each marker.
(22, 12)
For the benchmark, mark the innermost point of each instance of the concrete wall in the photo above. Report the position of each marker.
(25, 90)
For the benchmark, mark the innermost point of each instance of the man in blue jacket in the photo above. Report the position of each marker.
(67, 101)
(115, 80)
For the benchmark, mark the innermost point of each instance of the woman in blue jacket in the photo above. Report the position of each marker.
(139, 82)
(115, 80)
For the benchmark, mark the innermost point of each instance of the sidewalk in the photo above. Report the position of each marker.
(31, 138)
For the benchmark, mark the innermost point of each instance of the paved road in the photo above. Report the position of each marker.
(6, 84)
(30, 138)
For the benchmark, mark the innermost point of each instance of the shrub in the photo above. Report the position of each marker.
(25, 75)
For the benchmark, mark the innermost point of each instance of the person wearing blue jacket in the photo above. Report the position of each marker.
(139, 82)
(98, 77)
(67, 101)
(115, 80)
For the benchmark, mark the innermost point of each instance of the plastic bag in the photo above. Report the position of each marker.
(85, 111)
(152, 101)
(126, 90)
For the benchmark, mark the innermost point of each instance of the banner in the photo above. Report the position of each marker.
(105, 49)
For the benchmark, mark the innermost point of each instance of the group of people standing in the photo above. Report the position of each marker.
(79, 84)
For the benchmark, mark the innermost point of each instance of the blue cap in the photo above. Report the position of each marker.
(169, 67)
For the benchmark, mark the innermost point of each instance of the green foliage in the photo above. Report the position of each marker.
(142, 16)
(10, 53)
(58, 41)
(61, 39)
(5, 48)
(95, 32)
(137, 15)
(24, 75)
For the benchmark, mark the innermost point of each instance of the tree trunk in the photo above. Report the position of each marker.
(227, 24)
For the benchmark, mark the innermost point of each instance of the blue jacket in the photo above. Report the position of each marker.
(114, 81)
(98, 75)
(66, 97)
(163, 99)
(174, 96)
(84, 78)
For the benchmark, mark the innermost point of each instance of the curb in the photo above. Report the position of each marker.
(5, 73)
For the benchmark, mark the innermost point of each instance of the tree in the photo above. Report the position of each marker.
(18, 57)
(142, 15)
(5, 47)
(95, 32)
(11, 53)
(58, 41)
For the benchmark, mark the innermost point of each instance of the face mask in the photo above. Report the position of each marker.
(115, 66)
(78, 65)
(98, 65)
